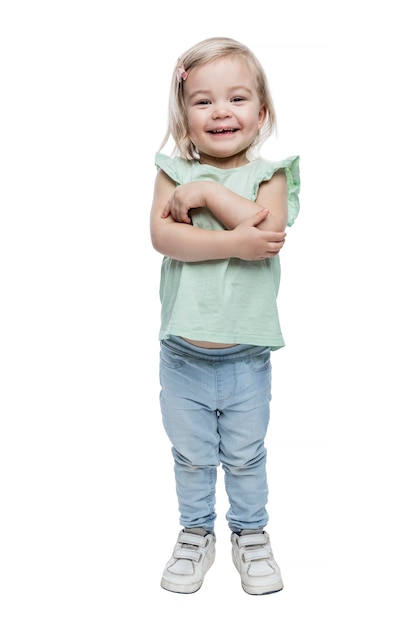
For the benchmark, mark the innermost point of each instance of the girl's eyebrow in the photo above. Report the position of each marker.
(199, 92)
(241, 88)
(206, 92)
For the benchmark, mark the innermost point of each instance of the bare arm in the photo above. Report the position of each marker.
(230, 208)
(184, 242)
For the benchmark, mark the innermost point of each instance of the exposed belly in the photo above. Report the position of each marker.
(209, 344)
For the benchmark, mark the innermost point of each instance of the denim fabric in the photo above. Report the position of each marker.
(215, 410)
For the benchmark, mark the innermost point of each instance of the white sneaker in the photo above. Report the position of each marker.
(192, 557)
(253, 558)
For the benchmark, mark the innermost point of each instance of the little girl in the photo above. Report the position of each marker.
(219, 217)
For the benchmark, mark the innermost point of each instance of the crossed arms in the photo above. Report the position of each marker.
(253, 230)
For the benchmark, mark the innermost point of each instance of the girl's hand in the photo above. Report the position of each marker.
(254, 244)
(185, 197)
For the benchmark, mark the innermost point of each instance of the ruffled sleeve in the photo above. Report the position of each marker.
(291, 165)
(173, 167)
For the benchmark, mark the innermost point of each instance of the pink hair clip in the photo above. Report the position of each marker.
(181, 73)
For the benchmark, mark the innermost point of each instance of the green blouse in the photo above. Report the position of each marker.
(227, 300)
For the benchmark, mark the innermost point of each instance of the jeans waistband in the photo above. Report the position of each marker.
(240, 351)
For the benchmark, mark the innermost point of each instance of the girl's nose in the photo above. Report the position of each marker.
(221, 113)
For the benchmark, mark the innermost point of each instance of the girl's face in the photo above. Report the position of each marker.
(224, 113)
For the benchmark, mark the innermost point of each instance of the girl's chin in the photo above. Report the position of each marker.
(238, 157)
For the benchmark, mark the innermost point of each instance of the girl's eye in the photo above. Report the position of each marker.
(203, 102)
(238, 99)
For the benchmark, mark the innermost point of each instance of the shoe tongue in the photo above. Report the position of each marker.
(251, 531)
(196, 531)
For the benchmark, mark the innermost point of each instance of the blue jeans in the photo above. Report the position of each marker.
(215, 410)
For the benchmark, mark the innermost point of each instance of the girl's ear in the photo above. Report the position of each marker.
(261, 117)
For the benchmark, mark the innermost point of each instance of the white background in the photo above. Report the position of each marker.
(88, 510)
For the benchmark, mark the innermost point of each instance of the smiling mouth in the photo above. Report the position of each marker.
(223, 131)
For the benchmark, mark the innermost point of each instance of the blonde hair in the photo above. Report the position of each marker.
(201, 53)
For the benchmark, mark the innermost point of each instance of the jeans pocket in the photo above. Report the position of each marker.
(169, 358)
(259, 362)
